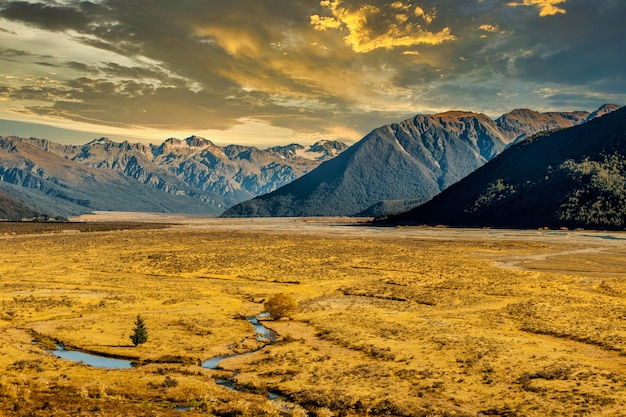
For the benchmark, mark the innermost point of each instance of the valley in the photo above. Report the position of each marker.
(403, 321)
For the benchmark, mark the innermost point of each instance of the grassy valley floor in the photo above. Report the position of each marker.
(402, 322)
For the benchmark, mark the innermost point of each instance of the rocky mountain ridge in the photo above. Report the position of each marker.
(573, 178)
(195, 175)
(411, 160)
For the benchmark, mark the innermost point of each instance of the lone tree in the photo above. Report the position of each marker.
(280, 305)
(140, 332)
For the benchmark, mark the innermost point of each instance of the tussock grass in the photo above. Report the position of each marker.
(385, 326)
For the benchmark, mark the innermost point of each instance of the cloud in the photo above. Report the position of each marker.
(52, 17)
(489, 28)
(546, 7)
(371, 27)
(314, 68)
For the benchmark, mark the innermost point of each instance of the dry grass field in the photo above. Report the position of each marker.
(401, 322)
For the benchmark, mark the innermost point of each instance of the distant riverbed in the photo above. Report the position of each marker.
(345, 227)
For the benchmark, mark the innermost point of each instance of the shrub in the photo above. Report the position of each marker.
(280, 305)
(170, 382)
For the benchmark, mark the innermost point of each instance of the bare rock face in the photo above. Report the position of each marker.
(520, 124)
(604, 109)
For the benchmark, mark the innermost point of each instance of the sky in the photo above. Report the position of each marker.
(274, 72)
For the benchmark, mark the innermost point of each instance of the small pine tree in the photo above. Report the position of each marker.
(140, 332)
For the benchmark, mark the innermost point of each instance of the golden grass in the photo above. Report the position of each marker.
(439, 323)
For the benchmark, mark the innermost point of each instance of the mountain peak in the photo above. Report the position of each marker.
(564, 178)
(518, 124)
(190, 142)
(457, 114)
(604, 109)
(100, 141)
(413, 159)
(198, 142)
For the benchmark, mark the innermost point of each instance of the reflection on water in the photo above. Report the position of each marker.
(91, 360)
(606, 237)
(214, 362)
(263, 333)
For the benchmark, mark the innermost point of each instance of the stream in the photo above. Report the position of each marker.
(104, 362)
(263, 333)
(95, 361)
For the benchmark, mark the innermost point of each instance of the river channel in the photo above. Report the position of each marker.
(105, 362)
(95, 361)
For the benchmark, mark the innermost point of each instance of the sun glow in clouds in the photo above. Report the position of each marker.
(370, 27)
(284, 71)
(546, 7)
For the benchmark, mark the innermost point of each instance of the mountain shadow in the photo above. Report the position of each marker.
(411, 160)
(14, 210)
(574, 178)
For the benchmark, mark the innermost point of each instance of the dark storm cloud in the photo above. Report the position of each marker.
(3, 30)
(578, 47)
(51, 16)
(314, 66)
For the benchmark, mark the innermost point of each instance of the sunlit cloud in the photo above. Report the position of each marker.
(281, 70)
(371, 27)
(546, 7)
(233, 40)
(489, 28)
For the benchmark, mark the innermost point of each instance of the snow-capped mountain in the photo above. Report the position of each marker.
(212, 177)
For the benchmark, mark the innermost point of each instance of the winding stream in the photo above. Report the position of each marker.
(99, 361)
(263, 333)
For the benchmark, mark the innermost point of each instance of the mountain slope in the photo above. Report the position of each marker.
(13, 210)
(414, 159)
(605, 109)
(217, 176)
(188, 176)
(522, 123)
(51, 184)
(574, 177)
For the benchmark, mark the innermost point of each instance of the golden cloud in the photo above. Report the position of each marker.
(490, 28)
(232, 40)
(546, 7)
(370, 27)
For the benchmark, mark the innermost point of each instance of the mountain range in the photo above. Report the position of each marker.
(393, 169)
(184, 176)
(574, 178)
(402, 165)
